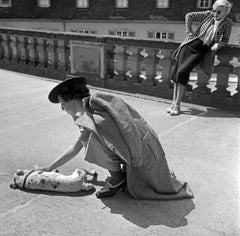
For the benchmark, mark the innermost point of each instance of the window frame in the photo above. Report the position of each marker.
(9, 4)
(44, 6)
(209, 4)
(161, 1)
(123, 33)
(86, 31)
(83, 6)
(119, 2)
(161, 35)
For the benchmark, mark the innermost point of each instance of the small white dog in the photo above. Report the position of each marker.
(52, 181)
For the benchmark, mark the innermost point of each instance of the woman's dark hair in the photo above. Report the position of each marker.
(74, 91)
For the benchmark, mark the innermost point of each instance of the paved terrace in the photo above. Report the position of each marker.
(201, 145)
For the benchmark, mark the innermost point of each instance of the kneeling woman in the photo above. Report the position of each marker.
(118, 139)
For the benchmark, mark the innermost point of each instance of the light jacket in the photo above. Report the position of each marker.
(127, 134)
(206, 19)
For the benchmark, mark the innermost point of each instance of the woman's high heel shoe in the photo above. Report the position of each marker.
(170, 108)
(175, 111)
(109, 190)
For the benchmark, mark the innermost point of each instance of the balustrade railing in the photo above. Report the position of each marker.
(131, 65)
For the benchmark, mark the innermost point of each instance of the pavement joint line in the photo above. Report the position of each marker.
(19, 207)
(182, 123)
(3, 174)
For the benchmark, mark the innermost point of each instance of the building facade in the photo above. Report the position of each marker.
(146, 19)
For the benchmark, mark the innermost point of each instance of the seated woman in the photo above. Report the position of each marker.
(118, 139)
(199, 47)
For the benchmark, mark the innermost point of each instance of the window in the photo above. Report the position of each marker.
(122, 33)
(121, 3)
(44, 3)
(162, 3)
(5, 3)
(161, 35)
(82, 3)
(86, 31)
(204, 4)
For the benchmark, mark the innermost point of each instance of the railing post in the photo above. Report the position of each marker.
(236, 96)
(52, 54)
(14, 46)
(202, 82)
(1, 48)
(42, 54)
(6, 47)
(150, 62)
(164, 60)
(63, 61)
(33, 58)
(135, 62)
(223, 70)
(121, 62)
(108, 62)
(22, 45)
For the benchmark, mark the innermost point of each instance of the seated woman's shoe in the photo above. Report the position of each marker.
(109, 190)
(175, 111)
(170, 108)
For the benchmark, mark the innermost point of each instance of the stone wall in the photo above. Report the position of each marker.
(105, 10)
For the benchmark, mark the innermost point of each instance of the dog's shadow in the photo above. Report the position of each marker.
(81, 193)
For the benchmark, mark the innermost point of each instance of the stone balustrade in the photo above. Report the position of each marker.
(131, 65)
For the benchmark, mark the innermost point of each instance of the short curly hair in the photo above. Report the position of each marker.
(223, 3)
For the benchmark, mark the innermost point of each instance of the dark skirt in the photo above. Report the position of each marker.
(190, 56)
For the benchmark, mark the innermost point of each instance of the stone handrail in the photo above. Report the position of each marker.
(131, 65)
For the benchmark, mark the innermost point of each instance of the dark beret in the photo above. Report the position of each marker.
(69, 82)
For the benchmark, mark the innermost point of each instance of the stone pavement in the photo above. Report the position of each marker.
(202, 146)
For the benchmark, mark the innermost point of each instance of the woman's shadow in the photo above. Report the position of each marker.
(145, 213)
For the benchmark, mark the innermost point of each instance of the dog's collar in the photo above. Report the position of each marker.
(25, 179)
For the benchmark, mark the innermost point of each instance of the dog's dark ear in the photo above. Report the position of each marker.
(19, 172)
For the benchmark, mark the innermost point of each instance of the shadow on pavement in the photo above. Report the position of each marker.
(146, 213)
(210, 113)
(50, 193)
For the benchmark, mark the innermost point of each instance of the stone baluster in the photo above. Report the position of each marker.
(164, 60)
(236, 70)
(150, 66)
(223, 70)
(1, 48)
(14, 48)
(22, 45)
(141, 66)
(42, 54)
(108, 61)
(120, 62)
(125, 64)
(132, 62)
(6, 47)
(63, 61)
(202, 82)
(155, 67)
(52, 54)
(33, 58)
